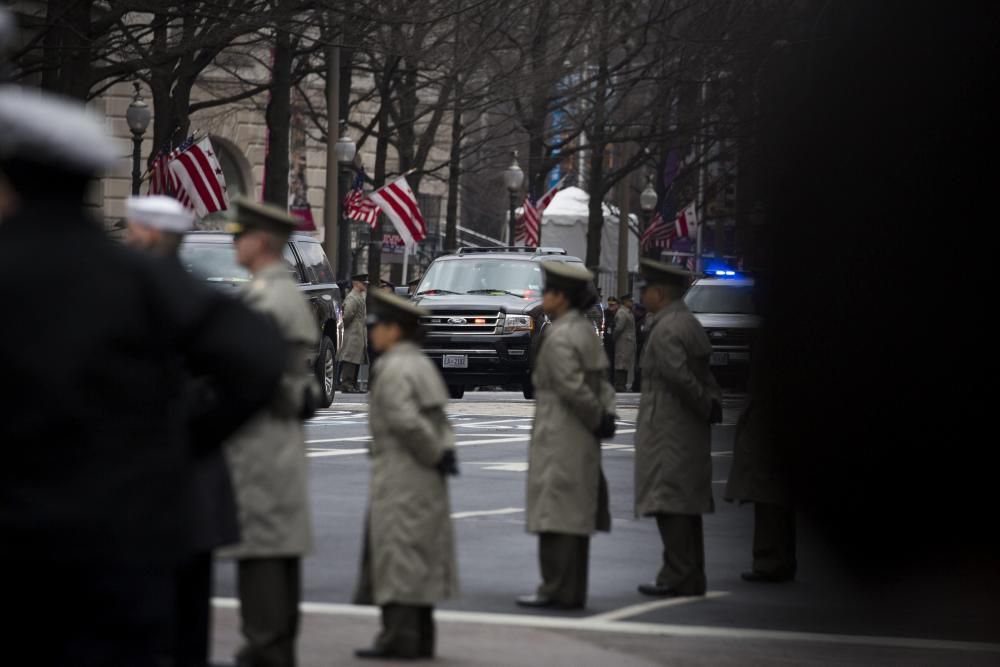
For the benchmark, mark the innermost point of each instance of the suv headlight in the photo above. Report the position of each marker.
(514, 323)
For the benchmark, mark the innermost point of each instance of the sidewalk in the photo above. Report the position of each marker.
(330, 633)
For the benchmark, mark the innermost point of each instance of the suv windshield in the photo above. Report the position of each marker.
(484, 276)
(721, 299)
(215, 262)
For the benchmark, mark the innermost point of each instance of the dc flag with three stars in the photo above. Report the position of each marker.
(197, 180)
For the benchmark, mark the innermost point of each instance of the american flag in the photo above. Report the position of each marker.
(357, 206)
(529, 232)
(191, 173)
(398, 202)
(658, 234)
(160, 181)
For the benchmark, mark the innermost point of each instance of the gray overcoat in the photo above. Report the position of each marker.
(673, 462)
(411, 541)
(624, 334)
(355, 345)
(267, 456)
(566, 492)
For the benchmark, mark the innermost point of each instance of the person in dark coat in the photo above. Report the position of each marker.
(156, 224)
(94, 424)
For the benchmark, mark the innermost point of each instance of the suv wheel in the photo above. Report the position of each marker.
(456, 390)
(528, 390)
(326, 372)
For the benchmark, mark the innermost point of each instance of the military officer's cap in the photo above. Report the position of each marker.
(566, 277)
(359, 278)
(159, 212)
(389, 308)
(41, 129)
(661, 273)
(246, 215)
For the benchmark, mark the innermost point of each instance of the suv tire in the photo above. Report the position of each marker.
(326, 372)
(528, 390)
(456, 391)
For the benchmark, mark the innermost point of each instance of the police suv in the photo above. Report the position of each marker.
(724, 304)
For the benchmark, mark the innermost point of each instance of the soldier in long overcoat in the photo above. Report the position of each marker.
(624, 336)
(267, 457)
(353, 350)
(567, 498)
(673, 462)
(408, 560)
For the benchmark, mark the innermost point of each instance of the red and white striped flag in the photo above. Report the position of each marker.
(198, 179)
(658, 234)
(687, 221)
(529, 231)
(357, 206)
(160, 180)
(399, 204)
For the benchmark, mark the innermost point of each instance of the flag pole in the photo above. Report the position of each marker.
(406, 258)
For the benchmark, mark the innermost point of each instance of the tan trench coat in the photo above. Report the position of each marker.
(267, 456)
(673, 461)
(411, 541)
(624, 334)
(566, 492)
(355, 346)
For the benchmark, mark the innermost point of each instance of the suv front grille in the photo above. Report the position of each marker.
(729, 337)
(469, 322)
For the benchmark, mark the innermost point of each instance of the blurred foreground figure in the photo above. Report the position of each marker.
(157, 225)
(673, 460)
(267, 457)
(567, 495)
(408, 560)
(95, 426)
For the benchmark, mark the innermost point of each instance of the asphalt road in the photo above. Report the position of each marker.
(823, 609)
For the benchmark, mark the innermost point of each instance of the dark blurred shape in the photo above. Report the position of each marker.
(881, 158)
(94, 423)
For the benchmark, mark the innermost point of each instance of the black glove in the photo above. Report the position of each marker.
(715, 417)
(607, 427)
(448, 463)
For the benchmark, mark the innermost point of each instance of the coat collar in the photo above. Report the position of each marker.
(676, 307)
(272, 271)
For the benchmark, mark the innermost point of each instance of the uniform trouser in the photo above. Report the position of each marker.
(564, 561)
(192, 612)
(683, 553)
(348, 374)
(774, 540)
(621, 379)
(269, 590)
(407, 631)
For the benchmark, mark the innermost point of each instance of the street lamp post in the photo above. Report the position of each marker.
(513, 178)
(647, 202)
(137, 116)
(344, 150)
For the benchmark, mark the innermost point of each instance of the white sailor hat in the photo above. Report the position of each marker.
(46, 129)
(159, 212)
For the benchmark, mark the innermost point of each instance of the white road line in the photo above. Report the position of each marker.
(506, 510)
(355, 438)
(656, 629)
(336, 452)
(636, 609)
(512, 466)
(494, 422)
(729, 453)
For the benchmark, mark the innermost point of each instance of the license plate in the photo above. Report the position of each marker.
(455, 361)
(719, 359)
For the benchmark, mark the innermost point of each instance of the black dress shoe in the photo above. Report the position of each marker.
(765, 578)
(535, 602)
(373, 652)
(656, 590)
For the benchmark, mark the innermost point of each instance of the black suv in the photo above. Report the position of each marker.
(486, 310)
(211, 256)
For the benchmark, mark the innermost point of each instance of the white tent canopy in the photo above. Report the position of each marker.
(564, 225)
